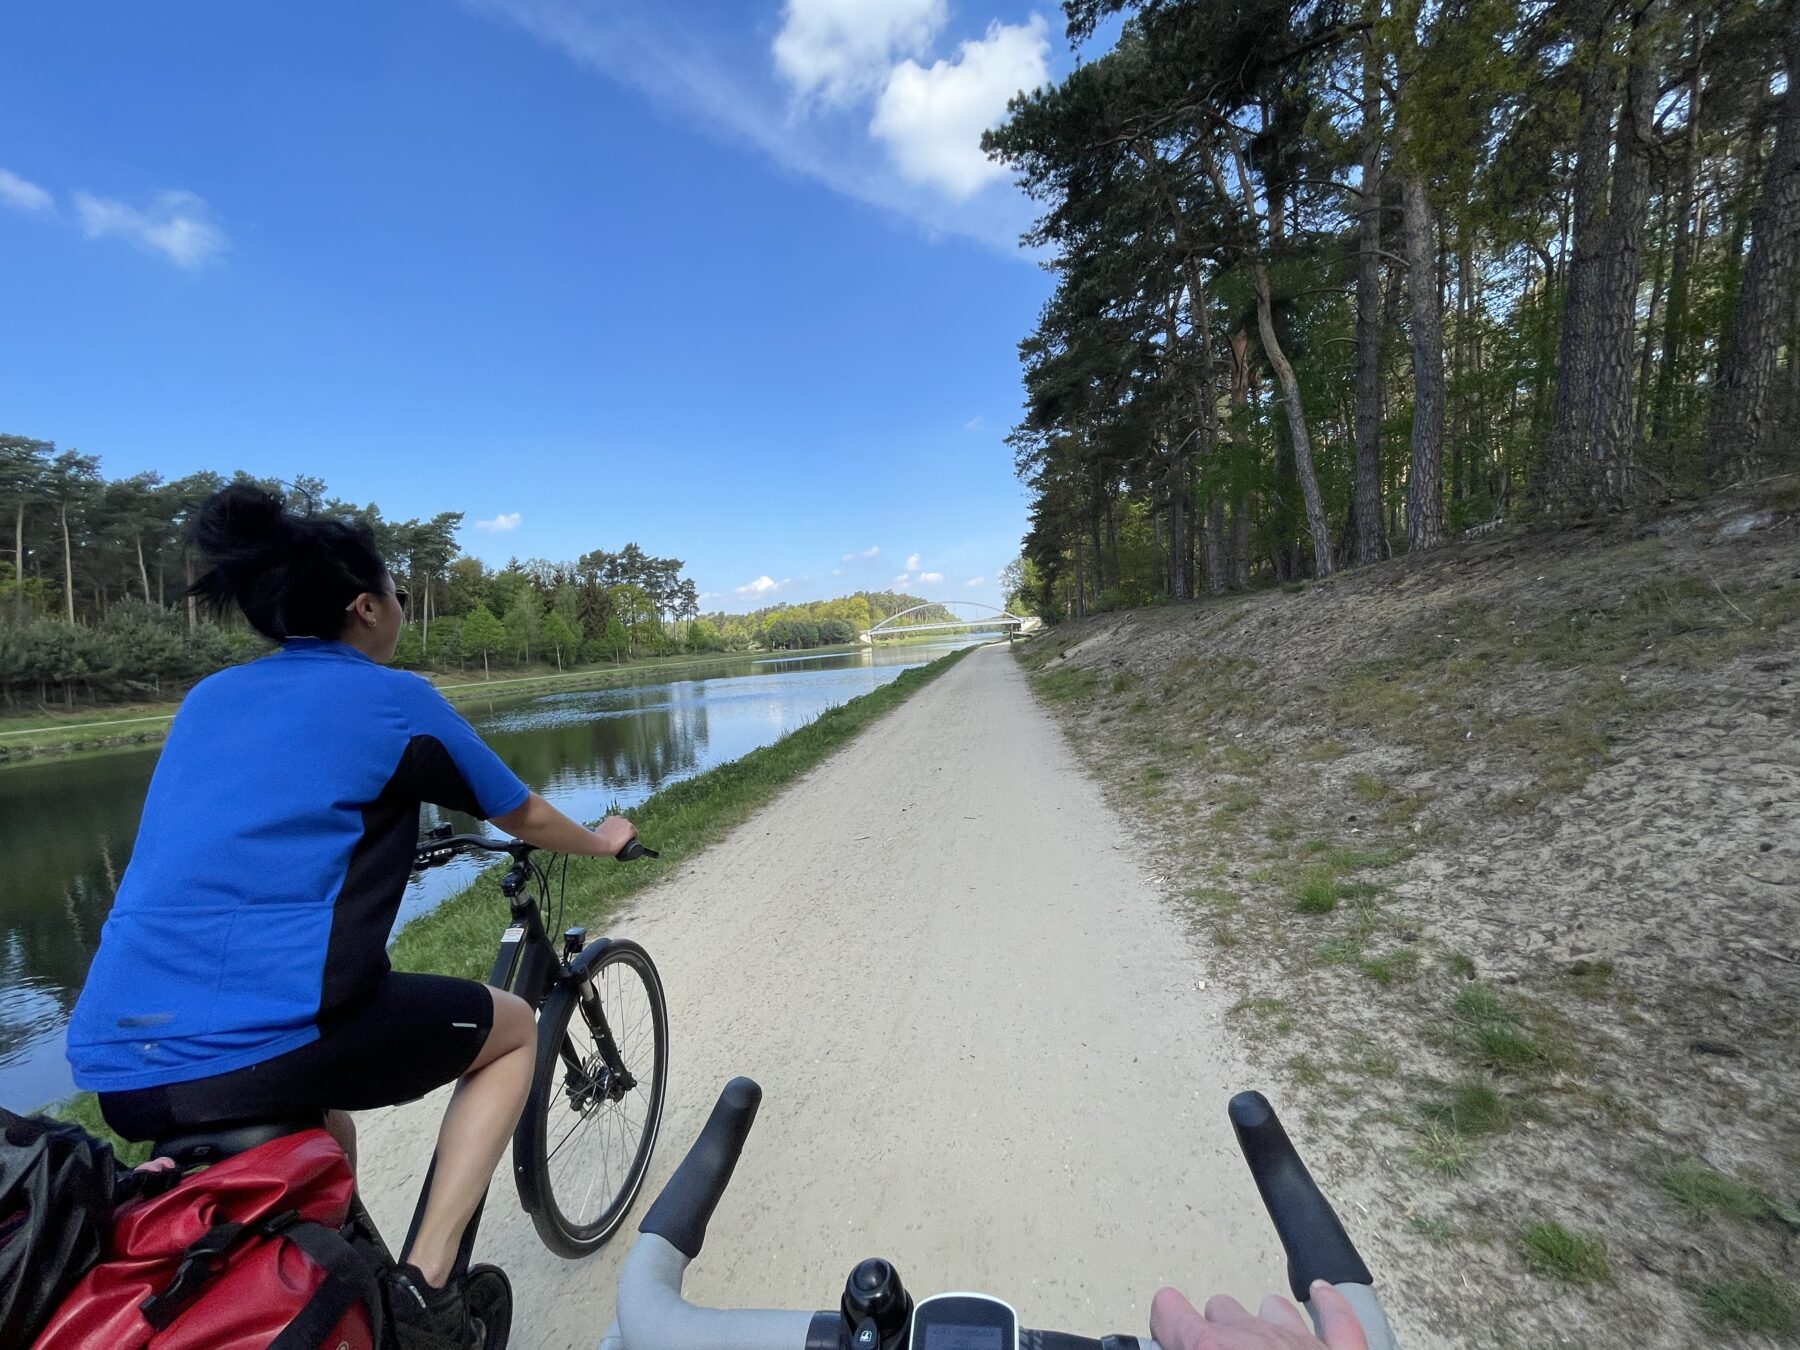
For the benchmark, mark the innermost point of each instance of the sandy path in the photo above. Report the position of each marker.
(982, 1038)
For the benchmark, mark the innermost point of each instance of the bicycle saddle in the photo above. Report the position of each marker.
(211, 1143)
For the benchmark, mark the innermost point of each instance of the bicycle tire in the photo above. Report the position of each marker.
(575, 1160)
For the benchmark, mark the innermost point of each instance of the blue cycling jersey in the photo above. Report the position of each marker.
(275, 845)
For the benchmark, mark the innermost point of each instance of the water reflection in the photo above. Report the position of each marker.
(66, 827)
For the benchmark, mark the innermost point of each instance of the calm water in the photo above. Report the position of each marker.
(66, 828)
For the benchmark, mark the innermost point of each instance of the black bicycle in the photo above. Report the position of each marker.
(590, 1123)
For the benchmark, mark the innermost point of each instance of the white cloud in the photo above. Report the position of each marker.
(763, 585)
(912, 562)
(932, 120)
(699, 75)
(931, 577)
(840, 49)
(506, 520)
(177, 225)
(973, 582)
(902, 580)
(23, 195)
(837, 571)
(975, 423)
(870, 552)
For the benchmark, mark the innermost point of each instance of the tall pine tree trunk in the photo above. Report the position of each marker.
(68, 563)
(1564, 482)
(1738, 435)
(1365, 503)
(143, 572)
(19, 559)
(1613, 455)
(1675, 309)
(1213, 539)
(1425, 478)
(1284, 375)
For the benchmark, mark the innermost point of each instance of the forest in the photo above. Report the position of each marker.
(93, 604)
(1335, 281)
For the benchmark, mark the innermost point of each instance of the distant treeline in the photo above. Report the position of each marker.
(93, 605)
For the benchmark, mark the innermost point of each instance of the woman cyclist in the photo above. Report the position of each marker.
(242, 973)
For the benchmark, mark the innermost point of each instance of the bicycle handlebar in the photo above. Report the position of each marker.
(440, 846)
(652, 1315)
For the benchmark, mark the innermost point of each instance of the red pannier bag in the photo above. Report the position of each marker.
(243, 1255)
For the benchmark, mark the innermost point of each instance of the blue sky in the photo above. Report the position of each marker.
(725, 277)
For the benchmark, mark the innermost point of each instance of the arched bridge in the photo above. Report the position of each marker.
(891, 625)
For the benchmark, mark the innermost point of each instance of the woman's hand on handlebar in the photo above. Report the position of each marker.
(1228, 1325)
(614, 833)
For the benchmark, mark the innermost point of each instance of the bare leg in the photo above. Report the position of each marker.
(477, 1125)
(343, 1129)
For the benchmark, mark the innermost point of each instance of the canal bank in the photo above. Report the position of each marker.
(68, 827)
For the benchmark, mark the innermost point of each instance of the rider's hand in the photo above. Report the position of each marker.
(1228, 1325)
(614, 833)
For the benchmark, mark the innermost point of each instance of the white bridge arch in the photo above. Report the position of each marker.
(1001, 619)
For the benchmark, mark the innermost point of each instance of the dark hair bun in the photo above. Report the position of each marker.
(291, 575)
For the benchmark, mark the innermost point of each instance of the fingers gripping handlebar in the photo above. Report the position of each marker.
(440, 845)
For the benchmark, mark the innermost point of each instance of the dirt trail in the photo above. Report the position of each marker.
(986, 1048)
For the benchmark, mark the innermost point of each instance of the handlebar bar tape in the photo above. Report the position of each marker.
(686, 1205)
(1317, 1246)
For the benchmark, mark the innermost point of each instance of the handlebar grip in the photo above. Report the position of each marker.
(1317, 1246)
(680, 1214)
(633, 850)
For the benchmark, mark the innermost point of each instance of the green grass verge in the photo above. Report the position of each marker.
(459, 936)
(1753, 1301)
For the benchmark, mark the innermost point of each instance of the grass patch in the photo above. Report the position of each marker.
(1461, 966)
(1305, 1071)
(1241, 759)
(459, 936)
(1396, 967)
(1262, 1007)
(1366, 787)
(1702, 1191)
(1434, 1230)
(1065, 684)
(1366, 859)
(1321, 752)
(1442, 1152)
(1474, 1107)
(1232, 803)
(1317, 893)
(1572, 1257)
(1493, 1032)
(1752, 1301)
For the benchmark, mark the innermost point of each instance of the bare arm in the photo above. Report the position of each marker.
(538, 822)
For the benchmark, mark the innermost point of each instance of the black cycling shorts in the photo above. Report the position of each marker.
(412, 1034)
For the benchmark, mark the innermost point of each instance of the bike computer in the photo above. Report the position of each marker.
(964, 1322)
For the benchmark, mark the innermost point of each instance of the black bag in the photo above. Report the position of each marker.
(57, 1189)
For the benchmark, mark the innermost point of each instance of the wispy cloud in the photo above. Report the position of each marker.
(837, 571)
(763, 585)
(973, 582)
(506, 520)
(912, 562)
(177, 225)
(975, 423)
(902, 580)
(930, 578)
(866, 555)
(929, 132)
(21, 194)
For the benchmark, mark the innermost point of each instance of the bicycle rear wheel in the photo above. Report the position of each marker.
(585, 1138)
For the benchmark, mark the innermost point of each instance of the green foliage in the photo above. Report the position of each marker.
(483, 633)
(1753, 1301)
(1564, 1254)
(1702, 1190)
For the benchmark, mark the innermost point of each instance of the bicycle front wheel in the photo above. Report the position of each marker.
(589, 1127)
